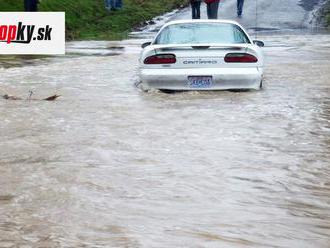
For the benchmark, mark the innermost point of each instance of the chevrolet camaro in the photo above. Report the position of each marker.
(201, 55)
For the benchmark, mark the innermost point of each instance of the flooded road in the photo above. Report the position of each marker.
(108, 165)
(258, 15)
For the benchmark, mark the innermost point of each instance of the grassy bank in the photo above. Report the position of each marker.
(88, 19)
(327, 14)
(323, 14)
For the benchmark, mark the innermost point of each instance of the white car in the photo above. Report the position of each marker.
(201, 55)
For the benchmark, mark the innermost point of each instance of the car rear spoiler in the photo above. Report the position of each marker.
(202, 46)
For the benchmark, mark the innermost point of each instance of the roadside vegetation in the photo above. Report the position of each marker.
(327, 14)
(323, 14)
(88, 19)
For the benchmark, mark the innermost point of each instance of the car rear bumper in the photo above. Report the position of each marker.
(223, 78)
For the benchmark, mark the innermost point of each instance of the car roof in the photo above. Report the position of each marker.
(202, 21)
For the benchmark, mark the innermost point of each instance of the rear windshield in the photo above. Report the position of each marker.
(198, 33)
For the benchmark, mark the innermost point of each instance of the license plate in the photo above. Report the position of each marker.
(200, 82)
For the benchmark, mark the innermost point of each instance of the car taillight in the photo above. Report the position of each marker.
(160, 59)
(240, 58)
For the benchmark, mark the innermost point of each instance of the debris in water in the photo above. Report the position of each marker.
(52, 98)
(11, 97)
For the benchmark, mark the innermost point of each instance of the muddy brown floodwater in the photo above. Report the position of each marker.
(108, 165)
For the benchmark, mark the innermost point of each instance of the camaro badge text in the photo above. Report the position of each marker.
(199, 61)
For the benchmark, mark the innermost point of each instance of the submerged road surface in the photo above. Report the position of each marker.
(108, 165)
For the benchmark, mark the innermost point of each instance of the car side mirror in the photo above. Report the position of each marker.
(259, 43)
(146, 44)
